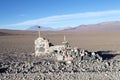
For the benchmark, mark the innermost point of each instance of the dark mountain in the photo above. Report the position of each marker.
(34, 28)
(113, 25)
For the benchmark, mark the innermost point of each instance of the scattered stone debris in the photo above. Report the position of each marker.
(27, 66)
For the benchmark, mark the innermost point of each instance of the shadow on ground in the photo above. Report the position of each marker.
(107, 55)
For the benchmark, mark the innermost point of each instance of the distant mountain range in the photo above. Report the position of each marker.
(112, 25)
(34, 28)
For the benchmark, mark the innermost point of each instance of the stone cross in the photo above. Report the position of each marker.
(39, 31)
(65, 42)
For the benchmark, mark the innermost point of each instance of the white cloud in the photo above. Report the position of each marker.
(67, 20)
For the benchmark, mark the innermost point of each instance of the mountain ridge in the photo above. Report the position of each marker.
(111, 25)
(108, 25)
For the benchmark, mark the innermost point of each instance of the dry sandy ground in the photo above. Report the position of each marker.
(23, 41)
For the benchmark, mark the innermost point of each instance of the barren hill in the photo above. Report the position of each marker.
(113, 25)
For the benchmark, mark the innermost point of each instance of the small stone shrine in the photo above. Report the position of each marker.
(62, 52)
(43, 46)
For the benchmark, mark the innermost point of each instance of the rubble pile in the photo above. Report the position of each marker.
(30, 64)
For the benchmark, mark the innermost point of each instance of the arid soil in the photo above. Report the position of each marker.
(17, 62)
(23, 41)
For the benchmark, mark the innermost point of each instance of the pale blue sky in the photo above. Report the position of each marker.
(58, 14)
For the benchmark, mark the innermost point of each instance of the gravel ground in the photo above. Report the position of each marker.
(63, 76)
(23, 66)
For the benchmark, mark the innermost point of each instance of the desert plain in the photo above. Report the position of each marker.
(22, 42)
(92, 40)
